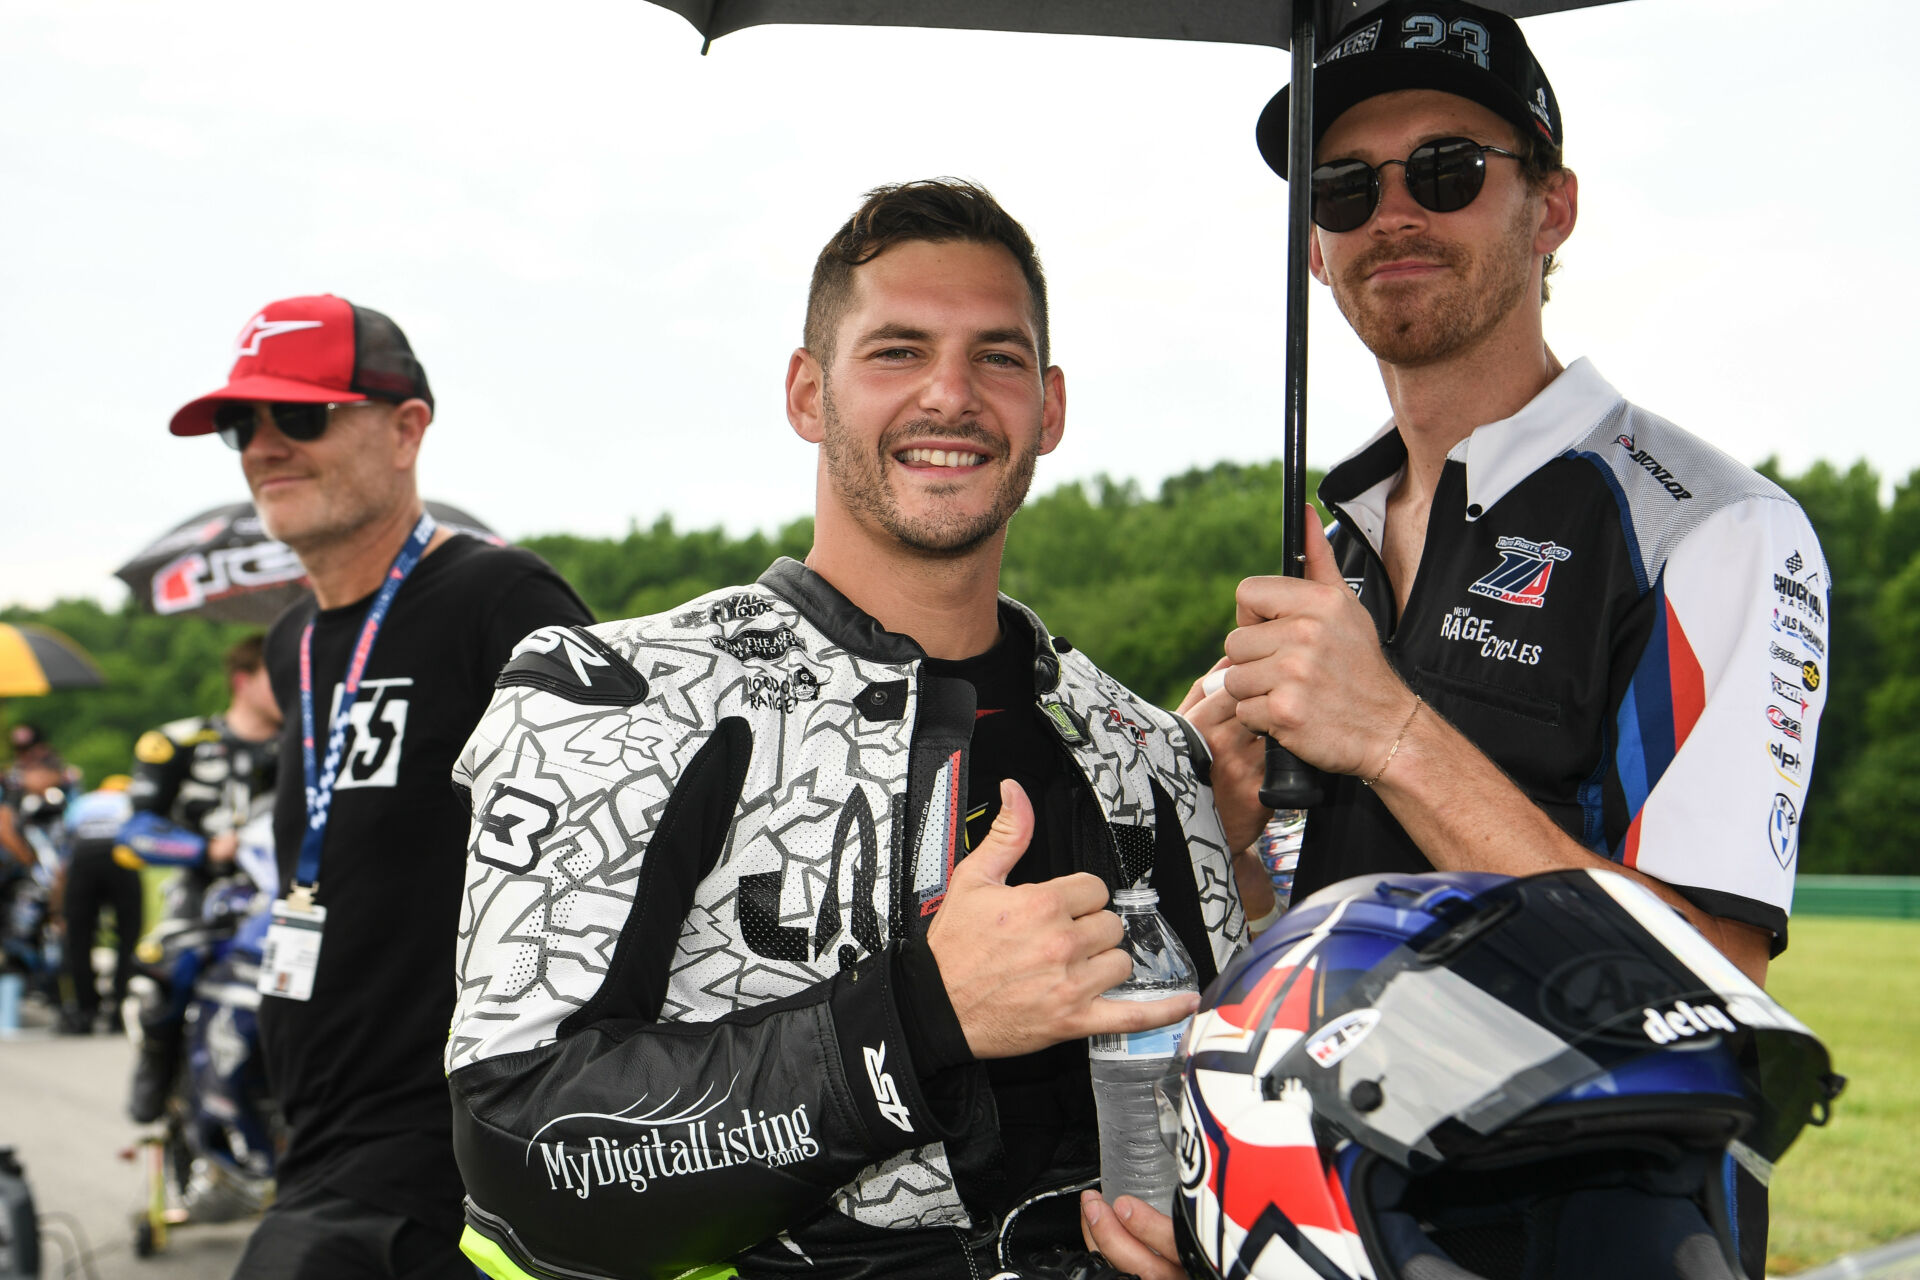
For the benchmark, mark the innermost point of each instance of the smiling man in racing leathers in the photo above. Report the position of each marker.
(785, 917)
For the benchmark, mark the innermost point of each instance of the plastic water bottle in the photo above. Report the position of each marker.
(11, 987)
(1133, 1159)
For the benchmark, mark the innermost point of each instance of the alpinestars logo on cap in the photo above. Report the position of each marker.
(260, 328)
(1522, 574)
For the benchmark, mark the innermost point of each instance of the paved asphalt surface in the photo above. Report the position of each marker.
(62, 1109)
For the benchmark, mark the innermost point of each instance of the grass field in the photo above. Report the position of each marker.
(1856, 1183)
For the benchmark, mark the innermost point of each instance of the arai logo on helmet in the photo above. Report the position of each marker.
(1686, 1020)
(1340, 1037)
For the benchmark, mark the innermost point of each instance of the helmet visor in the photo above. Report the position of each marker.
(1500, 1008)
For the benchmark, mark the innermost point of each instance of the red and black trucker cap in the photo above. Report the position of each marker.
(1448, 45)
(314, 351)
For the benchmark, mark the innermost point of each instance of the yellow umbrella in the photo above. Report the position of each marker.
(36, 660)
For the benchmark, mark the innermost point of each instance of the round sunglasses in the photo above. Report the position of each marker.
(236, 420)
(1442, 176)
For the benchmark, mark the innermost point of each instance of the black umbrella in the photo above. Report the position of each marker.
(222, 565)
(1282, 24)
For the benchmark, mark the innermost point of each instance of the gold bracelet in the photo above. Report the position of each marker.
(1418, 702)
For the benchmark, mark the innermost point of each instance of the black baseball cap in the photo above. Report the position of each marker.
(1448, 45)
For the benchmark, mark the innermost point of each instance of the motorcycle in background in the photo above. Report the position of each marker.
(19, 1226)
(220, 1133)
(30, 951)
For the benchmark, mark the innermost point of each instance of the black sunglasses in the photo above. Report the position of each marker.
(236, 421)
(1443, 175)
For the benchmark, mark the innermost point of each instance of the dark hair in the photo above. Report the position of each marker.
(246, 656)
(1540, 161)
(938, 210)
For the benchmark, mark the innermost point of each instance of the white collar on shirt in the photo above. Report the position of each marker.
(1501, 454)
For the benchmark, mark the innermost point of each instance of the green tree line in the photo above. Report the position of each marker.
(1144, 583)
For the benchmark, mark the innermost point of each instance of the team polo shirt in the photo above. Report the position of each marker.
(1631, 624)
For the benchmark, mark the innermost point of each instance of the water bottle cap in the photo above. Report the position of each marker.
(1138, 896)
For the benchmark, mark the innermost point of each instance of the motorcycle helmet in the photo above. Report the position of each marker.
(1465, 1076)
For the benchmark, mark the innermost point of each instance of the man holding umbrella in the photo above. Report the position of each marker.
(1551, 629)
(381, 677)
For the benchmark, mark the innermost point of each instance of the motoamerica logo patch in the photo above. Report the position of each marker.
(1522, 575)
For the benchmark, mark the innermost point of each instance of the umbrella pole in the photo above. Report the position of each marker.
(1291, 783)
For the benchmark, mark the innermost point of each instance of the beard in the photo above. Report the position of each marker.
(329, 510)
(858, 474)
(1482, 291)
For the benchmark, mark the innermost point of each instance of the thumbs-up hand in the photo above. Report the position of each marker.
(1025, 965)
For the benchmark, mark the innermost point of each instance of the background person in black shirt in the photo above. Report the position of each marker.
(328, 407)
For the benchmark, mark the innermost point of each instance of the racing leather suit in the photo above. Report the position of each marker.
(706, 848)
(194, 779)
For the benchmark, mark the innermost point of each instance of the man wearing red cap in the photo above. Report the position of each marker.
(381, 677)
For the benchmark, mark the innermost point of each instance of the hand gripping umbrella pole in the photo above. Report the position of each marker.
(1290, 782)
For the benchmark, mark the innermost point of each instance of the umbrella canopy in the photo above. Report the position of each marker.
(36, 660)
(222, 565)
(1268, 22)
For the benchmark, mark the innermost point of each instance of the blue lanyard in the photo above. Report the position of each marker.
(320, 780)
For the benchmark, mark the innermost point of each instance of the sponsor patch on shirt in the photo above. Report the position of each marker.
(1800, 629)
(1651, 465)
(1798, 595)
(1523, 573)
(1783, 690)
(1780, 828)
(1466, 627)
(1788, 762)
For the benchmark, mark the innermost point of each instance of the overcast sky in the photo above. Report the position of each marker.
(598, 241)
